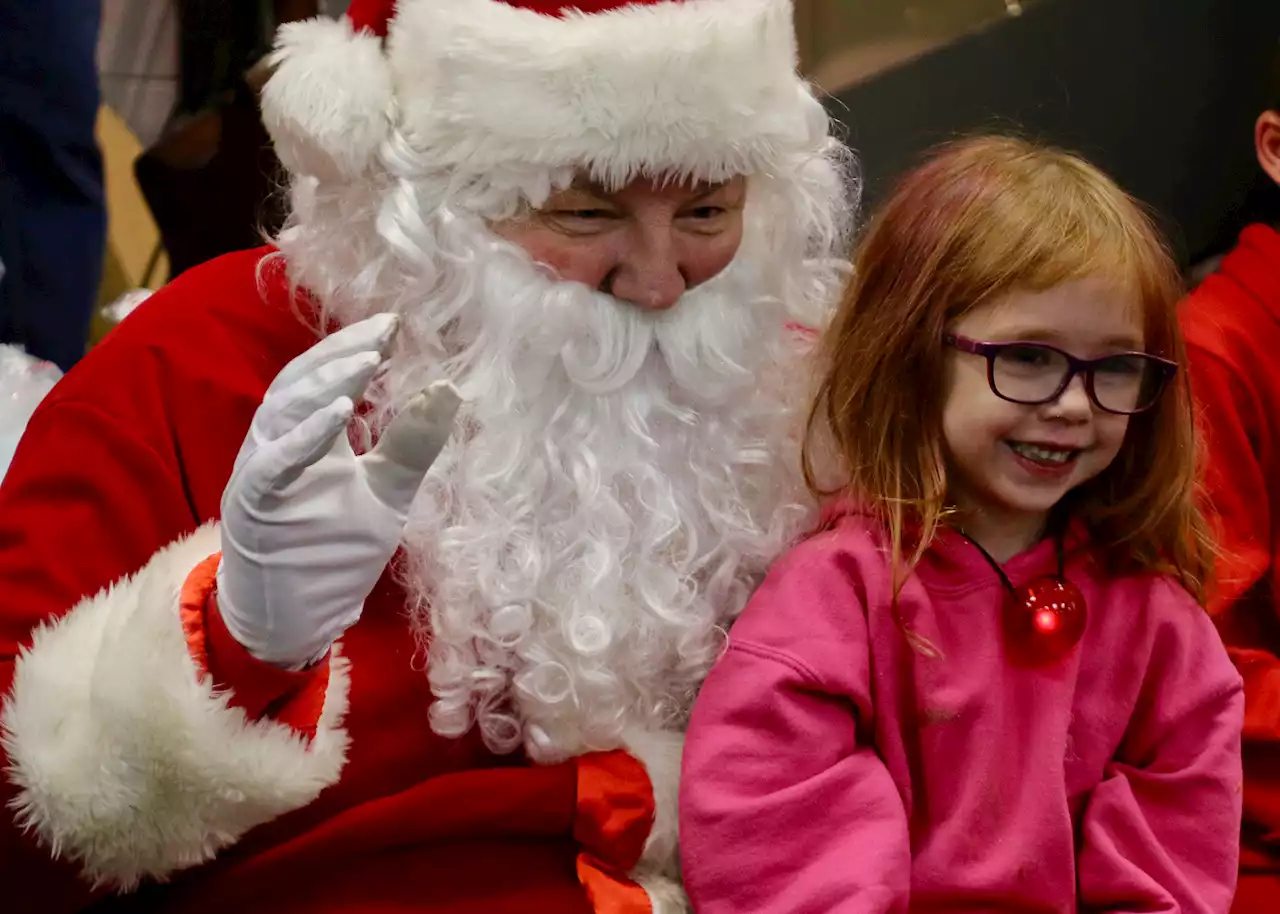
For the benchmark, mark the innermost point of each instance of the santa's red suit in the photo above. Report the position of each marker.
(152, 763)
(131, 454)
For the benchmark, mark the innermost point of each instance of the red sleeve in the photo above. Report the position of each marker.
(127, 455)
(1231, 419)
(84, 503)
(1235, 484)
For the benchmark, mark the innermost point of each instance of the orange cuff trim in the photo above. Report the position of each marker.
(295, 699)
(614, 817)
(610, 893)
(196, 590)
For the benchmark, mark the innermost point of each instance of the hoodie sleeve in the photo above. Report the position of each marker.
(1162, 830)
(785, 807)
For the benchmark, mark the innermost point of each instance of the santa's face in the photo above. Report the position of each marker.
(621, 477)
(646, 244)
(624, 469)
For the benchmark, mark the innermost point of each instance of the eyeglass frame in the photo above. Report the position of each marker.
(1167, 368)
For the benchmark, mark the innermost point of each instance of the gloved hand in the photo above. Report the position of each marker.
(307, 526)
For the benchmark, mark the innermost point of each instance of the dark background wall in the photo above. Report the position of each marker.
(1160, 93)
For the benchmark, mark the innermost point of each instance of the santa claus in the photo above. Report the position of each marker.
(281, 632)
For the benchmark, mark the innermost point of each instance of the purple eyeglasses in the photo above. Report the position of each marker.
(1032, 374)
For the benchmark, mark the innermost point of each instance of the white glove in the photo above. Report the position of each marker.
(307, 526)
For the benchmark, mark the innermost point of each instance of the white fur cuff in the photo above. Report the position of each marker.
(660, 753)
(127, 762)
(666, 896)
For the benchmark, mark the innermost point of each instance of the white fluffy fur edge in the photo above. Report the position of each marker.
(129, 764)
(328, 103)
(700, 87)
(660, 753)
(666, 895)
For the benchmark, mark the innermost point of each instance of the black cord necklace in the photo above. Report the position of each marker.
(1045, 618)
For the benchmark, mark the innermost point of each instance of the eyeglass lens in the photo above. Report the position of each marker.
(1034, 374)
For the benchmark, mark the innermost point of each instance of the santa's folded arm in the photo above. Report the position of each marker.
(143, 739)
(126, 758)
(133, 755)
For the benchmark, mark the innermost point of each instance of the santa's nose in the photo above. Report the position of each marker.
(649, 273)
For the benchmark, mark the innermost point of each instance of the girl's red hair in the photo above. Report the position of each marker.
(979, 218)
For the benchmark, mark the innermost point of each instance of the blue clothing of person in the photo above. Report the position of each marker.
(52, 207)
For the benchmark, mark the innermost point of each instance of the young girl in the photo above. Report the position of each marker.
(986, 684)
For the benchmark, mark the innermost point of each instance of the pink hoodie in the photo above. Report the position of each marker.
(830, 768)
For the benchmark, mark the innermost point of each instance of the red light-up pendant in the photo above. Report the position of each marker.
(1044, 620)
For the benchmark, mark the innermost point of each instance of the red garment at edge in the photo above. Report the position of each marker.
(1232, 327)
(130, 453)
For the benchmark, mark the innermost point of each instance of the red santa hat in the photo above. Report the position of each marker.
(618, 87)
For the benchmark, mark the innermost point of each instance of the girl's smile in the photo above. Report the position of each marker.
(1045, 459)
(1009, 463)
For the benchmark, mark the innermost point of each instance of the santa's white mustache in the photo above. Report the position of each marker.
(602, 342)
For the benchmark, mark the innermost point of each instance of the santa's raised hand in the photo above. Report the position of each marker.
(307, 526)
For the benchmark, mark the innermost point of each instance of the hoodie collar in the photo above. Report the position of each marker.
(953, 562)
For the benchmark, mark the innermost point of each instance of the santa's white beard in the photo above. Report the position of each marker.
(618, 482)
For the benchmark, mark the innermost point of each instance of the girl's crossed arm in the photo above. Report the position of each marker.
(783, 807)
(1161, 831)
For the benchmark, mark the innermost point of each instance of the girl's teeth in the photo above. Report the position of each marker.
(1031, 452)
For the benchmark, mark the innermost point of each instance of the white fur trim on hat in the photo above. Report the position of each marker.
(701, 87)
(126, 761)
(329, 101)
(704, 88)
